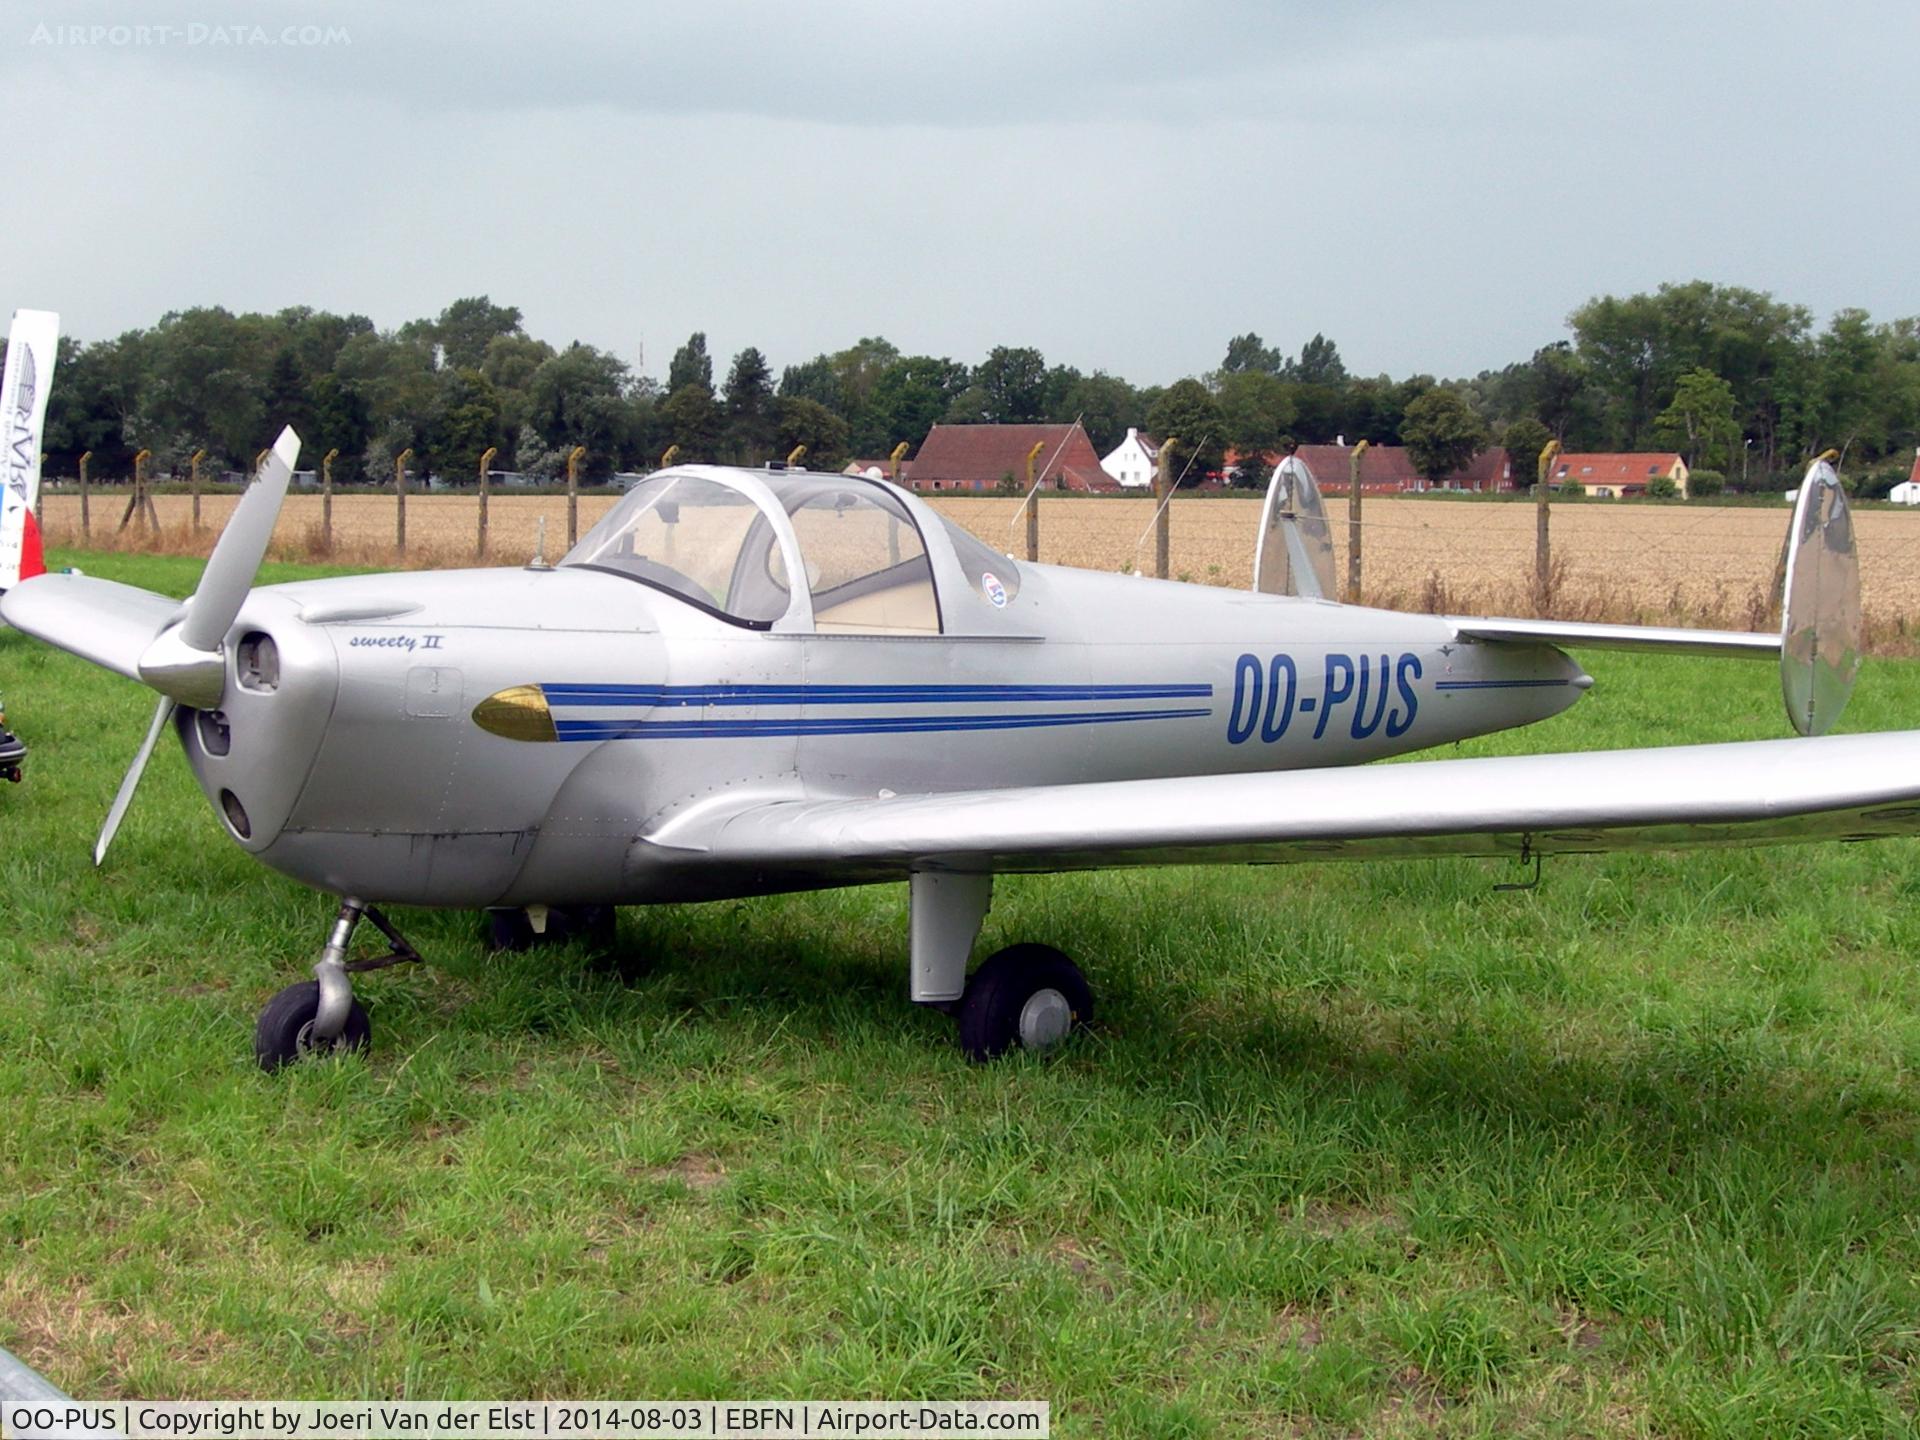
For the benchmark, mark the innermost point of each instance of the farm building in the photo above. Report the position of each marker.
(1386, 469)
(978, 458)
(1131, 462)
(1610, 476)
(1907, 492)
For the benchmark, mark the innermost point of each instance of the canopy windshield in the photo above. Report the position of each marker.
(713, 545)
(693, 537)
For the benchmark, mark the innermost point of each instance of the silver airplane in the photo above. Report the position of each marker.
(750, 681)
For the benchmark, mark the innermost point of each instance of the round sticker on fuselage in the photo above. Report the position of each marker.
(996, 592)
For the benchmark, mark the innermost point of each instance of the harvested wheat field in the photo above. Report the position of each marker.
(1701, 565)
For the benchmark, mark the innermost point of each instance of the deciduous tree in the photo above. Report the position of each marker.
(691, 365)
(1698, 421)
(1442, 433)
(1014, 383)
(803, 422)
(749, 408)
(1249, 353)
(1188, 413)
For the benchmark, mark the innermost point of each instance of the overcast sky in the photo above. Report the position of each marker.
(1433, 185)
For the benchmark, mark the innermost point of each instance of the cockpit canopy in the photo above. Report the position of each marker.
(730, 545)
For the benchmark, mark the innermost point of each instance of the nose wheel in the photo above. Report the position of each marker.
(285, 1031)
(320, 1016)
(1026, 996)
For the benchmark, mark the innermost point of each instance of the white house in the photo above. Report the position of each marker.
(1131, 462)
(1907, 492)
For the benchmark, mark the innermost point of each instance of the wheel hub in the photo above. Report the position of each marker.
(1044, 1019)
(306, 1044)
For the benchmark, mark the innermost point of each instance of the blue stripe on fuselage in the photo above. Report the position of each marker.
(851, 725)
(682, 695)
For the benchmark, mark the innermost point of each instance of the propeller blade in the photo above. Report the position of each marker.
(124, 798)
(242, 546)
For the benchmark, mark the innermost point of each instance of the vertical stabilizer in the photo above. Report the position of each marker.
(1822, 633)
(1294, 555)
(31, 347)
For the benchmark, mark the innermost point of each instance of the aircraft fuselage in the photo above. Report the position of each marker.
(364, 766)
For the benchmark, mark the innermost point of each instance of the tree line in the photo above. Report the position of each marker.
(1744, 385)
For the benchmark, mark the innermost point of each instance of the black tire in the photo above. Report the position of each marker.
(284, 1032)
(506, 930)
(998, 992)
(510, 929)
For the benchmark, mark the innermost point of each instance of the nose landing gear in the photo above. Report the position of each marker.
(320, 1016)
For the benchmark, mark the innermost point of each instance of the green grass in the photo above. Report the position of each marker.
(1358, 1149)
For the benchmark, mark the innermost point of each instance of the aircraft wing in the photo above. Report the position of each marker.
(1749, 793)
(99, 620)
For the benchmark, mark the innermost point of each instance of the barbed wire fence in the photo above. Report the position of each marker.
(1683, 562)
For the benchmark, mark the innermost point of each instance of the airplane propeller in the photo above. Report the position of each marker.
(187, 663)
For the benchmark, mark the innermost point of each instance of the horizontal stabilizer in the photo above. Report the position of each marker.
(99, 620)
(1821, 632)
(1677, 797)
(1578, 635)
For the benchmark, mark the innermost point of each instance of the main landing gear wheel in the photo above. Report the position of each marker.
(284, 1033)
(1030, 996)
(513, 929)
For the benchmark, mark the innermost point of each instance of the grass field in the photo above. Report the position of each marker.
(1351, 1150)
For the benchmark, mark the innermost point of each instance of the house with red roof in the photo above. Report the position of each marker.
(1385, 470)
(1611, 476)
(982, 458)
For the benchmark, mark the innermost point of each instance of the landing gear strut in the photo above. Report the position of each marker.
(320, 1016)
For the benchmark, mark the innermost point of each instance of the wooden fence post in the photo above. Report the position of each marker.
(139, 503)
(574, 457)
(326, 499)
(194, 484)
(1162, 520)
(486, 467)
(400, 501)
(86, 509)
(1033, 504)
(1353, 524)
(1542, 546)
